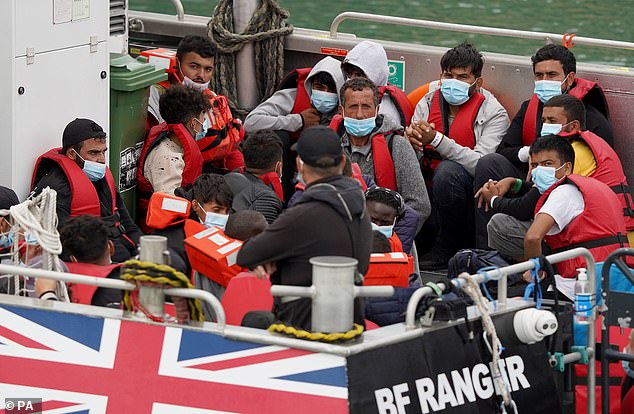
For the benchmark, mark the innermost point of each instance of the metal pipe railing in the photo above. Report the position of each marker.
(502, 273)
(180, 10)
(221, 319)
(465, 28)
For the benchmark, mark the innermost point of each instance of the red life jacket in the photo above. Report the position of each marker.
(81, 293)
(599, 228)
(583, 89)
(224, 134)
(296, 79)
(211, 252)
(391, 269)
(166, 210)
(384, 171)
(395, 243)
(403, 105)
(85, 199)
(609, 171)
(461, 129)
(191, 154)
(358, 175)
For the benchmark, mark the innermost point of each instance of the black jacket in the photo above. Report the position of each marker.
(328, 220)
(250, 193)
(56, 180)
(512, 140)
(522, 206)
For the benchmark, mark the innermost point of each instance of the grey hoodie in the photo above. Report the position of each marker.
(371, 58)
(275, 112)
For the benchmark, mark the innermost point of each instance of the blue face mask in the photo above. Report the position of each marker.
(551, 129)
(6, 239)
(544, 177)
(546, 89)
(454, 91)
(205, 125)
(215, 219)
(94, 170)
(387, 231)
(324, 102)
(359, 127)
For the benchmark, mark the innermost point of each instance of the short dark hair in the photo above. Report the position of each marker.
(179, 104)
(244, 224)
(463, 56)
(559, 53)
(573, 107)
(197, 44)
(387, 197)
(561, 146)
(212, 187)
(262, 149)
(85, 238)
(358, 84)
(324, 78)
(380, 243)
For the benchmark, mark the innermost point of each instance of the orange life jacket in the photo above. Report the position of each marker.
(85, 199)
(211, 252)
(384, 172)
(599, 228)
(391, 269)
(461, 129)
(81, 293)
(395, 243)
(587, 91)
(165, 210)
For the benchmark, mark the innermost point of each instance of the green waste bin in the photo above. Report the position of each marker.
(130, 82)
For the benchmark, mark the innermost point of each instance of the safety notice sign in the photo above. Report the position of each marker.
(396, 73)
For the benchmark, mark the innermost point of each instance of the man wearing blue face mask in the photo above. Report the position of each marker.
(554, 70)
(170, 157)
(452, 128)
(374, 143)
(84, 184)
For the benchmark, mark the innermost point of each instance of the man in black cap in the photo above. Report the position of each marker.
(84, 184)
(328, 220)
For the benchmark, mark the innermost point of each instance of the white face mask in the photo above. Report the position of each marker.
(198, 86)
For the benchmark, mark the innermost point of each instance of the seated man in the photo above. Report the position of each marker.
(8, 199)
(84, 185)
(453, 127)
(85, 238)
(194, 68)
(389, 216)
(573, 211)
(329, 219)
(307, 97)
(170, 157)
(370, 141)
(260, 187)
(246, 224)
(369, 60)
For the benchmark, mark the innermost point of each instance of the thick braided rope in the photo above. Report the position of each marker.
(266, 29)
(138, 272)
(317, 336)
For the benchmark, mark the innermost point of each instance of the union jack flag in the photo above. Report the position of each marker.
(94, 365)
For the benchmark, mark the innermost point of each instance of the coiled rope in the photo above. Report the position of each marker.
(317, 336)
(472, 289)
(140, 273)
(266, 29)
(37, 217)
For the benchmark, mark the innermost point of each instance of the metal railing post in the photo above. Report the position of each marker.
(180, 10)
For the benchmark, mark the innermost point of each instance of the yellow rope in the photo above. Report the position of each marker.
(140, 272)
(317, 336)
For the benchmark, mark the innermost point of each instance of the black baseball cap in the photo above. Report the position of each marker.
(80, 130)
(318, 144)
(8, 199)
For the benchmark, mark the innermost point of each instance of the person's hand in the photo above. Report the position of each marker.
(44, 285)
(526, 277)
(311, 117)
(420, 133)
(486, 193)
(505, 185)
(265, 270)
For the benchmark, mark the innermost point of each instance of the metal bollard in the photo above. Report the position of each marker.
(333, 292)
(152, 249)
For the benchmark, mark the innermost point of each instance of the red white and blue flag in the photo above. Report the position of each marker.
(92, 365)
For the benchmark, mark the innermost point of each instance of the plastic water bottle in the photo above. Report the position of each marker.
(583, 298)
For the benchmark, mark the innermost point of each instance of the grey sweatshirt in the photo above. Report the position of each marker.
(275, 112)
(409, 179)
